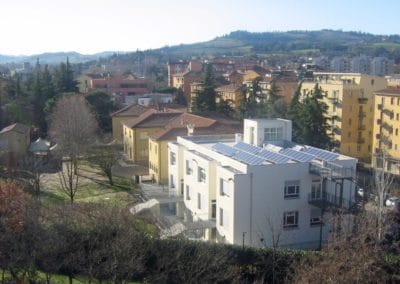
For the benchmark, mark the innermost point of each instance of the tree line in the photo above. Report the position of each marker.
(30, 98)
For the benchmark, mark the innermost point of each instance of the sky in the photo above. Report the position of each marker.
(90, 26)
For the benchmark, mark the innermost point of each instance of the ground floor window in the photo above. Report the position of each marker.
(291, 219)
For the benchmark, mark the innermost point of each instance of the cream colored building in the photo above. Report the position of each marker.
(350, 101)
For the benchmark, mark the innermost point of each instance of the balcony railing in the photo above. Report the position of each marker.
(326, 200)
(362, 100)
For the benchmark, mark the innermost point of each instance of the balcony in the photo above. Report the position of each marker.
(326, 200)
(378, 136)
(362, 100)
(360, 140)
(361, 114)
(387, 127)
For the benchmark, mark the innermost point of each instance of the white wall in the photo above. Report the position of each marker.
(260, 124)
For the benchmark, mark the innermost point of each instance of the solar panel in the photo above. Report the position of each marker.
(247, 147)
(224, 149)
(321, 154)
(276, 158)
(297, 155)
(248, 158)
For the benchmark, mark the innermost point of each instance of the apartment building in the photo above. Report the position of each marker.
(180, 67)
(184, 80)
(350, 101)
(260, 188)
(128, 85)
(386, 137)
(230, 93)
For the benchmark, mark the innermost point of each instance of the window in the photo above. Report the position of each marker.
(349, 134)
(201, 174)
(349, 121)
(143, 136)
(213, 209)
(397, 131)
(189, 168)
(198, 201)
(221, 217)
(392, 101)
(397, 116)
(172, 158)
(223, 187)
(172, 182)
(358, 148)
(291, 219)
(187, 192)
(315, 217)
(273, 134)
(372, 81)
(316, 190)
(292, 189)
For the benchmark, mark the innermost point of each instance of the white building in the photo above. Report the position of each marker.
(268, 195)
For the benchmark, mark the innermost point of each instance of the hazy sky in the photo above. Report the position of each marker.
(90, 26)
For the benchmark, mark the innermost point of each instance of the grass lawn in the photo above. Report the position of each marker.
(93, 187)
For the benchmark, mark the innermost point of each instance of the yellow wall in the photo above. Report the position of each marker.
(158, 160)
(387, 125)
(350, 110)
(250, 75)
(233, 96)
(136, 144)
(117, 127)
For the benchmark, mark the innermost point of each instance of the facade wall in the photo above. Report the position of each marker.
(158, 160)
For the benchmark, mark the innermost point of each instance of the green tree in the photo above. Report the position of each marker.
(252, 101)
(205, 99)
(294, 113)
(313, 125)
(103, 107)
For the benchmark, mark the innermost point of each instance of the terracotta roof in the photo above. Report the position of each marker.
(131, 110)
(153, 118)
(228, 88)
(202, 126)
(393, 92)
(18, 127)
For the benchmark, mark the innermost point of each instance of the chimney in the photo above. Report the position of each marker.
(190, 129)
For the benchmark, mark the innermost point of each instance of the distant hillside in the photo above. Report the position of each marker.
(54, 57)
(328, 42)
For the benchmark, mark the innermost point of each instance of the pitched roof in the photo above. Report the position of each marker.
(202, 126)
(131, 110)
(228, 88)
(392, 92)
(153, 118)
(18, 127)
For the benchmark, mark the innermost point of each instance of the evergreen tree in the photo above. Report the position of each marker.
(294, 113)
(102, 107)
(274, 106)
(313, 125)
(252, 101)
(64, 79)
(180, 97)
(205, 99)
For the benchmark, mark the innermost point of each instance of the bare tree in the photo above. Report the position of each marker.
(105, 155)
(383, 180)
(73, 127)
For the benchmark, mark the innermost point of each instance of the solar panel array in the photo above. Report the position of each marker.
(321, 154)
(253, 155)
(297, 155)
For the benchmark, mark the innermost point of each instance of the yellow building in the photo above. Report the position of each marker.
(184, 80)
(350, 101)
(127, 113)
(386, 137)
(231, 93)
(14, 143)
(186, 124)
(136, 132)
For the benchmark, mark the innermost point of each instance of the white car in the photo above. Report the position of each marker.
(360, 192)
(392, 201)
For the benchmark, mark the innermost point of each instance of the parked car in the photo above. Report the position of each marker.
(360, 192)
(392, 201)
